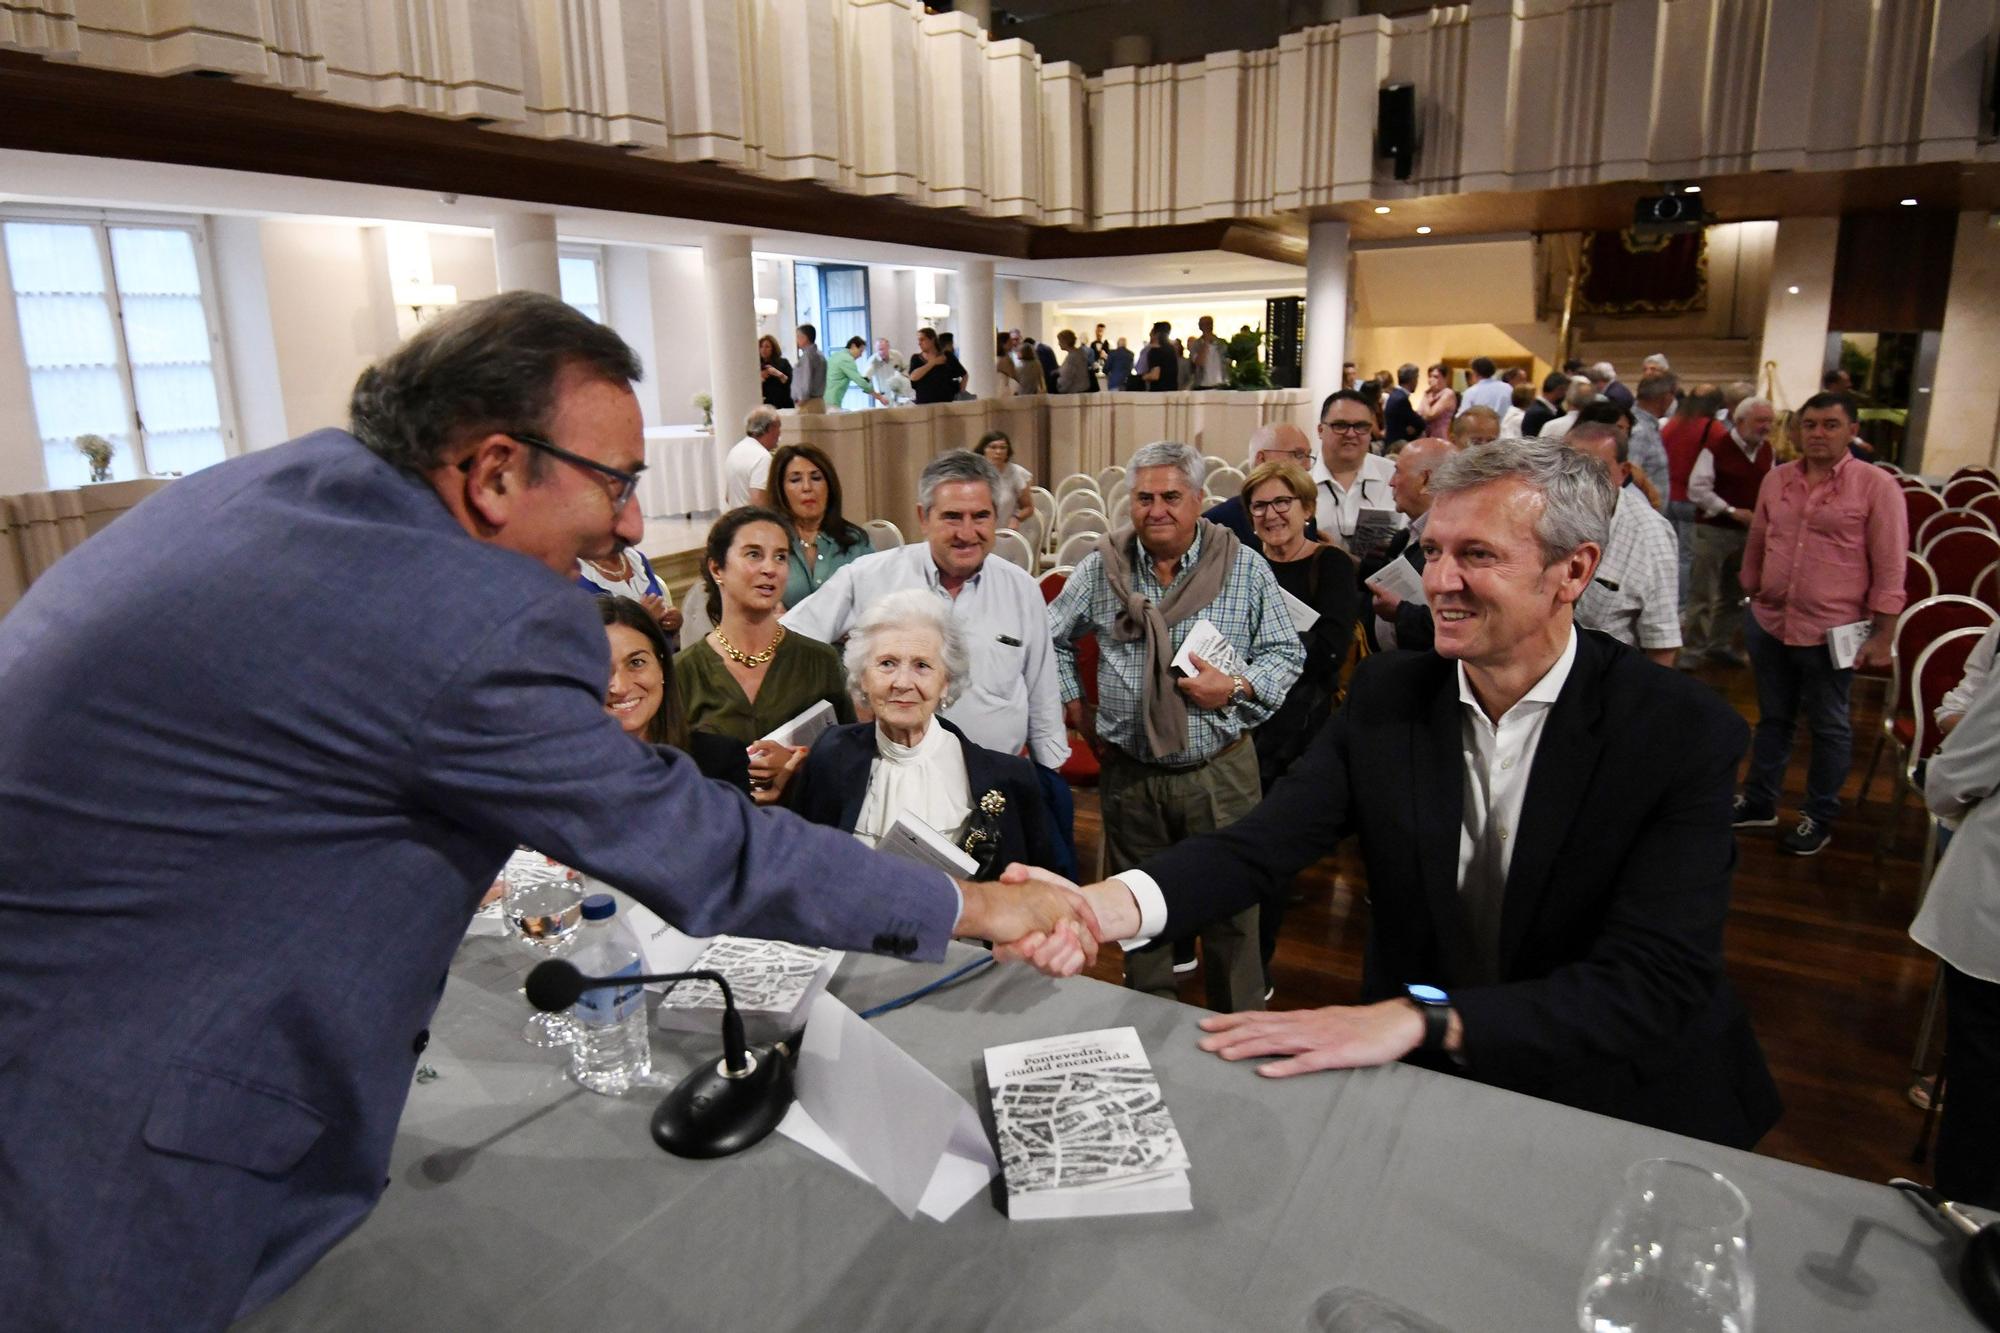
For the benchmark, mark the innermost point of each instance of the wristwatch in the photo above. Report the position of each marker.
(1435, 1006)
(1239, 690)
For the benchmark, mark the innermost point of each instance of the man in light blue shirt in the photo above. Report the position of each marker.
(1486, 390)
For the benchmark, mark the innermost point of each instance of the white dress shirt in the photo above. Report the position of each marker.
(1014, 695)
(1701, 481)
(748, 467)
(1960, 918)
(925, 781)
(1558, 428)
(1339, 507)
(1496, 395)
(1499, 758)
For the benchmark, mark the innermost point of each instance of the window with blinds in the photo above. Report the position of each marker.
(117, 333)
(581, 272)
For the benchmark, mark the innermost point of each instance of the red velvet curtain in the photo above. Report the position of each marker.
(1620, 274)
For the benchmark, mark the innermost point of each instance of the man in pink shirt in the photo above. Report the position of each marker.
(1827, 548)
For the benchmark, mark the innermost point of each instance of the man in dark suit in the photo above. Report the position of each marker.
(1548, 404)
(271, 736)
(1404, 622)
(1544, 815)
(1400, 422)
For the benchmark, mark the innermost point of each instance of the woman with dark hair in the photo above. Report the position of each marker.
(806, 490)
(1016, 506)
(747, 677)
(775, 371)
(1439, 402)
(643, 701)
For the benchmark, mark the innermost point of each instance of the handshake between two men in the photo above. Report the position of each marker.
(1040, 918)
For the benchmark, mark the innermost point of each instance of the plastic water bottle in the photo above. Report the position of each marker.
(611, 1052)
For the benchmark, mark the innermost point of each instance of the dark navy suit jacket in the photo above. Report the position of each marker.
(833, 782)
(269, 738)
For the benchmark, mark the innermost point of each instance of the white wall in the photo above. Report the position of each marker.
(1795, 322)
(243, 299)
(680, 337)
(628, 308)
(325, 325)
(1965, 399)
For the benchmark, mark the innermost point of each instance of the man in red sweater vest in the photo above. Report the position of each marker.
(1723, 489)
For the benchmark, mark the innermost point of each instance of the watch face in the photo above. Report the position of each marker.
(1428, 995)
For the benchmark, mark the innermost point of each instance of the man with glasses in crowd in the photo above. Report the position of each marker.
(236, 862)
(1277, 442)
(1356, 505)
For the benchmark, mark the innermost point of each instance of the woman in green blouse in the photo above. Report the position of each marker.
(747, 676)
(806, 490)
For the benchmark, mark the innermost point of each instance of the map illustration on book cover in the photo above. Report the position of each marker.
(765, 975)
(1083, 1115)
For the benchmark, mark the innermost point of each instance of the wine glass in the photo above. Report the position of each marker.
(543, 905)
(1672, 1255)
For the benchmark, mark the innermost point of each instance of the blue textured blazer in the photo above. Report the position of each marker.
(267, 740)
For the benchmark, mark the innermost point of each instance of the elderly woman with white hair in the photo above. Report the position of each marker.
(907, 658)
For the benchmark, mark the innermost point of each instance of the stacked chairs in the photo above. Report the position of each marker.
(1959, 556)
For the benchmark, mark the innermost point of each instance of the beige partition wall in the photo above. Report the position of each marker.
(38, 528)
(880, 453)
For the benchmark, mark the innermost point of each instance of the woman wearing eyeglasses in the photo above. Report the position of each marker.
(1279, 497)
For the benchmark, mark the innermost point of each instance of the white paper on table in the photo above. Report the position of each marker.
(865, 1105)
(1400, 579)
(1303, 616)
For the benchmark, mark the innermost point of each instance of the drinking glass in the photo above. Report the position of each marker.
(1672, 1256)
(543, 905)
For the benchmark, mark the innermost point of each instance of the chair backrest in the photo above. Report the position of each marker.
(1118, 499)
(1987, 504)
(1919, 579)
(1011, 546)
(1986, 588)
(1939, 667)
(1110, 477)
(1958, 492)
(1959, 556)
(1043, 497)
(1074, 481)
(1947, 520)
(1920, 625)
(1035, 530)
(1053, 581)
(1920, 503)
(1081, 520)
(1224, 482)
(1075, 547)
(882, 534)
(1887, 466)
(1975, 470)
(694, 611)
(1078, 499)
(1212, 461)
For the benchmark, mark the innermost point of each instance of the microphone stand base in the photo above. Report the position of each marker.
(709, 1114)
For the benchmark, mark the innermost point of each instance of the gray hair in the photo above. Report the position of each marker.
(762, 417)
(1581, 394)
(1170, 453)
(486, 367)
(1657, 361)
(958, 465)
(1577, 495)
(911, 608)
(1584, 432)
(1603, 370)
(1746, 404)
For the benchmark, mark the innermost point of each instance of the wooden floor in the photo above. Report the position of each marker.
(1816, 947)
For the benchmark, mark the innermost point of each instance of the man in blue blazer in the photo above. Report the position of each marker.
(270, 738)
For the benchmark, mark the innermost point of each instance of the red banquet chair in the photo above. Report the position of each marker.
(1959, 492)
(1081, 768)
(1960, 556)
(1947, 520)
(1920, 625)
(1986, 588)
(1989, 506)
(1919, 584)
(1974, 470)
(1920, 503)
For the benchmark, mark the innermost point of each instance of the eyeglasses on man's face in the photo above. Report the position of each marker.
(621, 494)
(1347, 427)
(1277, 504)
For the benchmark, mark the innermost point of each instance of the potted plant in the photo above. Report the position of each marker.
(707, 406)
(97, 450)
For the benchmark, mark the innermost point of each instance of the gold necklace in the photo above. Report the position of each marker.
(735, 654)
(623, 572)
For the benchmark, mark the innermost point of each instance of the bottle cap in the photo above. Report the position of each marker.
(599, 907)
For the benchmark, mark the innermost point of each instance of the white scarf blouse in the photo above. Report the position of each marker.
(926, 781)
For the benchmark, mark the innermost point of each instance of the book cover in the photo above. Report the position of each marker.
(768, 977)
(806, 727)
(1207, 642)
(914, 840)
(1083, 1128)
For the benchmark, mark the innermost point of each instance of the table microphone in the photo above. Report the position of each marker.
(1979, 1265)
(717, 1109)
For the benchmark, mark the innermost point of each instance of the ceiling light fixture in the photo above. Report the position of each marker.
(1381, 208)
(1793, 290)
(1909, 203)
(1690, 189)
(1423, 231)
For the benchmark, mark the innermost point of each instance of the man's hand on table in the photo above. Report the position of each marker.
(1031, 913)
(1340, 1036)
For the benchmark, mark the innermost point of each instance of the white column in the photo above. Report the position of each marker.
(732, 330)
(973, 317)
(524, 251)
(1798, 306)
(1965, 396)
(1326, 306)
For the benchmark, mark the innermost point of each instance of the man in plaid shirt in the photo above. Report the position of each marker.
(1635, 597)
(1175, 750)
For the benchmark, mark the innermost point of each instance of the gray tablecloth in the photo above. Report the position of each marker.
(518, 1201)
